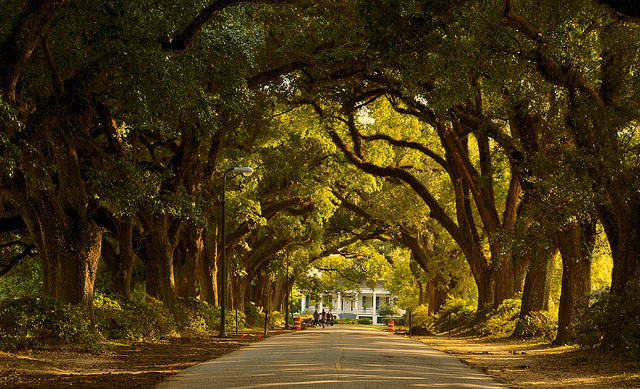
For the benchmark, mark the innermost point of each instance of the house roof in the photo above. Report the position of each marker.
(379, 284)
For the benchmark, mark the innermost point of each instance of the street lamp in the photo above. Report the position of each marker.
(246, 171)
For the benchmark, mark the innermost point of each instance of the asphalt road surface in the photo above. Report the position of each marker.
(333, 357)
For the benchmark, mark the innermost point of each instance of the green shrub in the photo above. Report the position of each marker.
(612, 322)
(463, 314)
(197, 315)
(254, 315)
(276, 319)
(364, 320)
(118, 318)
(388, 310)
(420, 317)
(33, 322)
(538, 324)
(499, 322)
(346, 321)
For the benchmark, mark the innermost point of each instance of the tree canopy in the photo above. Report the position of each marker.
(463, 141)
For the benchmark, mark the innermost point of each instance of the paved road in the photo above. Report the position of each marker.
(334, 357)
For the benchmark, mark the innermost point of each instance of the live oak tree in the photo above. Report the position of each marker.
(592, 61)
(103, 92)
(42, 117)
(119, 118)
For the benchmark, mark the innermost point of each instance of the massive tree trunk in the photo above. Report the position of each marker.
(208, 267)
(537, 286)
(576, 245)
(504, 275)
(622, 226)
(240, 288)
(55, 207)
(437, 292)
(186, 260)
(70, 251)
(120, 261)
(158, 260)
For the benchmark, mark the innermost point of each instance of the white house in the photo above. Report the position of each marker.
(352, 304)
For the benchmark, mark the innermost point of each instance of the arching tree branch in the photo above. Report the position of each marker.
(27, 252)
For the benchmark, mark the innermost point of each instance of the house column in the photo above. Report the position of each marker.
(375, 310)
(339, 302)
(357, 302)
(321, 304)
(303, 305)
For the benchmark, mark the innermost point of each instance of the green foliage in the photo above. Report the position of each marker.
(601, 263)
(276, 319)
(499, 322)
(403, 283)
(420, 317)
(364, 321)
(614, 322)
(464, 318)
(133, 320)
(461, 311)
(197, 315)
(254, 315)
(388, 310)
(24, 280)
(538, 325)
(33, 322)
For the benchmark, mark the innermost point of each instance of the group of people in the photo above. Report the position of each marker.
(324, 318)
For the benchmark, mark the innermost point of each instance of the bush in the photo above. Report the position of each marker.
(254, 315)
(537, 324)
(135, 320)
(463, 314)
(198, 315)
(420, 317)
(612, 322)
(276, 319)
(33, 322)
(388, 310)
(364, 320)
(499, 322)
(346, 321)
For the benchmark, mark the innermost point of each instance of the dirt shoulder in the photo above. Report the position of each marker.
(136, 365)
(539, 365)
(517, 363)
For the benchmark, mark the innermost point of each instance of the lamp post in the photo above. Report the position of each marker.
(246, 171)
